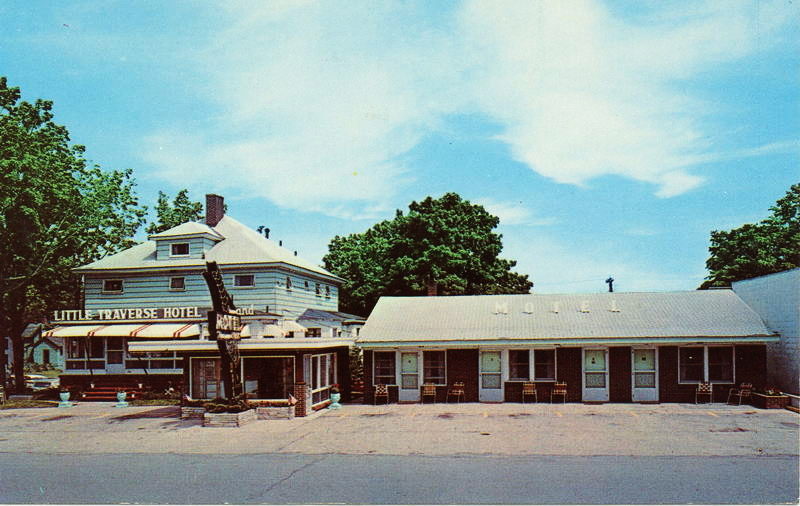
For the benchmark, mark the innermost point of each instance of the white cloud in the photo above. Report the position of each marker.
(513, 213)
(319, 102)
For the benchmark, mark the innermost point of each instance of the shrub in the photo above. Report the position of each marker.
(234, 405)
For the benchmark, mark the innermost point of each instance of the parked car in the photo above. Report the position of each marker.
(39, 382)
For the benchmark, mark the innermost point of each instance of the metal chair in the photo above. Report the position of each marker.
(560, 388)
(429, 390)
(457, 389)
(529, 388)
(744, 391)
(704, 389)
(380, 391)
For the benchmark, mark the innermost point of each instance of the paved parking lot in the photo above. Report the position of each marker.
(414, 429)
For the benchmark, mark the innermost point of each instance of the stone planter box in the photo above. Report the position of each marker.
(764, 401)
(228, 419)
(192, 412)
(275, 412)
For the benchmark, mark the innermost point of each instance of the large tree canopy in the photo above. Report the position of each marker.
(447, 241)
(56, 212)
(755, 249)
(171, 215)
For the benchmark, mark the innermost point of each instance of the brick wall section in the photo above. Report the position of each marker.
(302, 394)
(619, 374)
(569, 370)
(462, 365)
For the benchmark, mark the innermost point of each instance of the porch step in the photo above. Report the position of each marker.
(109, 392)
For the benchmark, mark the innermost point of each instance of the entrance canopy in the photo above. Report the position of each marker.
(138, 331)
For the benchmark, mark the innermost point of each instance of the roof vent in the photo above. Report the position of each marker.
(528, 308)
(614, 308)
(556, 307)
(584, 307)
(501, 308)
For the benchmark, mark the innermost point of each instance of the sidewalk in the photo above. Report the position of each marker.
(415, 429)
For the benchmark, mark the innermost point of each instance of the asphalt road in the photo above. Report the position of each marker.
(381, 479)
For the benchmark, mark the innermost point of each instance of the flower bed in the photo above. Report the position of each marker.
(228, 419)
(275, 412)
(192, 412)
(765, 401)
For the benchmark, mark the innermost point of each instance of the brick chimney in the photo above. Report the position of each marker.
(215, 209)
(432, 288)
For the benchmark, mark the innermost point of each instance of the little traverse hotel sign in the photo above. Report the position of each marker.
(139, 313)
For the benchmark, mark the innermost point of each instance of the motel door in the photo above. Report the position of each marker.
(115, 355)
(645, 378)
(409, 376)
(490, 384)
(595, 375)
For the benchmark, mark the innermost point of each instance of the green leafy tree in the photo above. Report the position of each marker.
(171, 215)
(447, 242)
(57, 212)
(756, 249)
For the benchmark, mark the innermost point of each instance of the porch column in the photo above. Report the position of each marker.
(302, 394)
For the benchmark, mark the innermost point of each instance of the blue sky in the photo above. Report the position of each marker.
(610, 138)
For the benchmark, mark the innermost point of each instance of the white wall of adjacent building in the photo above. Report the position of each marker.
(776, 298)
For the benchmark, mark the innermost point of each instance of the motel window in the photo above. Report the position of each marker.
(154, 360)
(544, 364)
(327, 292)
(288, 283)
(177, 284)
(179, 249)
(306, 284)
(691, 364)
(317, 288)
(433, 367)
(720, 364)
(314, 332)
(244, 280)
(706, 363)
(112, 286)
(384, 368)
(519, 365)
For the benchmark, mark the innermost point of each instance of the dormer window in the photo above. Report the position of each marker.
(112, 286)
(179, 249)
(244, 280)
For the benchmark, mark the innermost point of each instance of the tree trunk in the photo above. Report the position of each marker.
(3, 348)
(19, 362)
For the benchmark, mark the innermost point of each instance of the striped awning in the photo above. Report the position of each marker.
(138, 331)
(292, 326)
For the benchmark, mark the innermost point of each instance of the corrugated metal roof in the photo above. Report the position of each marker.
(241, 245)
(710, 313)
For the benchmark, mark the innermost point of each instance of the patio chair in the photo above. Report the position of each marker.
(529, 389)
(380, 391)
(744, 391)
(457, 389)
(429, 390)
(704, 389)
(560, 388)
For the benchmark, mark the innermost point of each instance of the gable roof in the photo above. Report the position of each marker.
(607, 316)
(239, 245)
(312, 314)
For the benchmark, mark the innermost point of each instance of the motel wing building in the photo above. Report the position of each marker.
(145, 316)
(607, 347)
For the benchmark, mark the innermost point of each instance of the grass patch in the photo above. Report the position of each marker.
(154, 402)
(16, 404)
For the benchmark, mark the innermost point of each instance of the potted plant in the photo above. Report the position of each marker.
(336, 396)
(770, 398)
(63, 395)
(121, 395)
